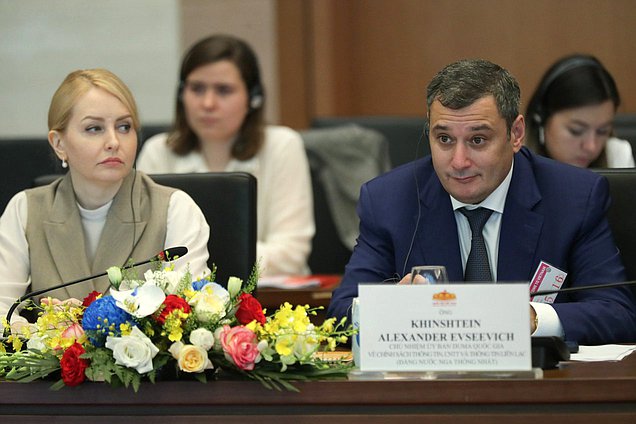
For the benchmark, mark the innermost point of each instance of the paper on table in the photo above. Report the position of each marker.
(611, 352)
(286, 282)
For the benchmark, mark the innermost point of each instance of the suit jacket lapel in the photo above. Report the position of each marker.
(521, 225)
(438, 241)
(66, 244)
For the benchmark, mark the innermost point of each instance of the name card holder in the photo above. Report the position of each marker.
(442, 331)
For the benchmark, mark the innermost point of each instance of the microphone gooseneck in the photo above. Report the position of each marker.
(172, 254)
(573, 289)
(166, 255)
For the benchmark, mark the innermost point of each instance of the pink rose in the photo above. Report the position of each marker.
(240, 346)
(75, 331)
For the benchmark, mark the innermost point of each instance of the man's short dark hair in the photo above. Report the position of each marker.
(462, 83)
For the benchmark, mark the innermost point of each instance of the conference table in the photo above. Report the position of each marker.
(317, 297)
(576, 392)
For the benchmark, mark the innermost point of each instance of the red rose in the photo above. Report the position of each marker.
(73, 366)
(249, 310)
(171, 303)
(90, 298)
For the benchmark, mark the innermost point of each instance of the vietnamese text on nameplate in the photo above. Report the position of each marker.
(451, 327)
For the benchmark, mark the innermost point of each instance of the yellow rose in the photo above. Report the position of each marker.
(193, 359)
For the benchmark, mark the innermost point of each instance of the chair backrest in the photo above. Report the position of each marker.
(21, 161)
(328, 254)
(341, 159)
(625, 128)
(403, 133)
(622, 183)
(228, 201)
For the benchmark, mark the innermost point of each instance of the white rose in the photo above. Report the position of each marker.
(133, 351)
(202, 337)
(210, 303)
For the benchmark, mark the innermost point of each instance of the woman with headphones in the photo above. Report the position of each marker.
(570, 116)
(219, 128)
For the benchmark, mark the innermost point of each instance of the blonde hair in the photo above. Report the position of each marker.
(78, 83)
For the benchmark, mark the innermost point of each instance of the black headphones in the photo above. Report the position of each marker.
(567, 65)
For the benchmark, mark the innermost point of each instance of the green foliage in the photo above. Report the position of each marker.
(28, 365)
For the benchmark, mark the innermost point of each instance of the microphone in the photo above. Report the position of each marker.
(573, 289)
(166, 255)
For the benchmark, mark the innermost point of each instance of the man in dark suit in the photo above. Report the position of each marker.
(539, 211)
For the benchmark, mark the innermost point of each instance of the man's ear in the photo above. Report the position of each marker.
(517, 133)
(55, 140)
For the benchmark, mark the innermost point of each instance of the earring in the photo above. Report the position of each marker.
(64, 164)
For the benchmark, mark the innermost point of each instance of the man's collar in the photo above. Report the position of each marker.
(495, 201)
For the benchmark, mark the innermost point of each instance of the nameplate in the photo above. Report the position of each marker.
(449, 327)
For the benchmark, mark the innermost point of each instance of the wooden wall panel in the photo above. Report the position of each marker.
(375, 57)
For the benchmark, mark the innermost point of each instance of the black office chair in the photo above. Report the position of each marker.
(329, 255)
(228, 201)
(622, 183)
(22, 160)
(625, 127)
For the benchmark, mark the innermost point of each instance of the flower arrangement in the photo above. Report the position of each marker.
(166, 322)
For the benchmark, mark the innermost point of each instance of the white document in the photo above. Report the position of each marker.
(611, 352)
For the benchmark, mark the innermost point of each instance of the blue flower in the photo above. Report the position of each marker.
(102, 318)
(197, 285)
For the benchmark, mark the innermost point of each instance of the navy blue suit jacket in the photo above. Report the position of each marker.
(553, 212)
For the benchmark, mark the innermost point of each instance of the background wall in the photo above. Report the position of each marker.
(142, 41)
(43, 40)
(318, 57)
(373, 57)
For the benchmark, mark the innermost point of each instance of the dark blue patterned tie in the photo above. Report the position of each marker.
(477, 266)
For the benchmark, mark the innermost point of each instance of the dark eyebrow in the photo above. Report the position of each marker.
(438, 127)
(483, 127)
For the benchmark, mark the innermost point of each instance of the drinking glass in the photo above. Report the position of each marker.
(430, 274)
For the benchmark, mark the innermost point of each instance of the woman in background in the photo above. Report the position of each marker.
(219, 128)
(100, 214)
(570, 115)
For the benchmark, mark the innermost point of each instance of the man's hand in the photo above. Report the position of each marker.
(407, 279)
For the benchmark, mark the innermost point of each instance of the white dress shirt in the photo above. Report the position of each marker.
(284, 211)
(549, 323)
